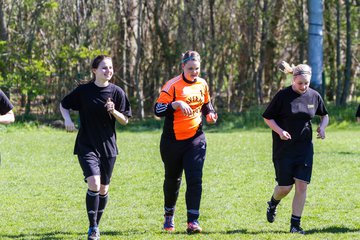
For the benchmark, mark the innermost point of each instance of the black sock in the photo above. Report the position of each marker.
(103, 199)
(192, 215)
(169, 211)
(295, 221)
(274, 202)
(92, 205)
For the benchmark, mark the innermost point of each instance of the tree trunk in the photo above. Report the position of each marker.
(347, 72)
(138, 80)
(3, 28)
(4, 36)
(264, 29)
(271, 56)
(301, 36)
(338, 55)
(330, 52)
(211, 59)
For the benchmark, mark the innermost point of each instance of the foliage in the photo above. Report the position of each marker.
(50, 45)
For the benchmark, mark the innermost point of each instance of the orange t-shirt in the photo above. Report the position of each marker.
(195, 94)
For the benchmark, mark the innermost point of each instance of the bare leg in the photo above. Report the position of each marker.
(281, 191)
(299, 197)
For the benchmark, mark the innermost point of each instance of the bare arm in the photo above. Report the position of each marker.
(7, 118)
(324, 121)
(121, 118)
(284, 135)
(69, 125)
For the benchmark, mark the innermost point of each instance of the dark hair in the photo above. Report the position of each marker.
(98, 60)
(190, 55)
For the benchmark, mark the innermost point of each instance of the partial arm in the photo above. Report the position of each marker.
(284, 135)
(7, 118)
(163, 109)
(324, 121)
(69, 125)
(208, 110)
(121, 118)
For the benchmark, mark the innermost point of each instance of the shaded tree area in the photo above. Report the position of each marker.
(46, 47)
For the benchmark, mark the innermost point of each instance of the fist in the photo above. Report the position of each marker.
(110, 106)
(211, 118)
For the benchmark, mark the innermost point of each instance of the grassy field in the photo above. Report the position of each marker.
(43, 192)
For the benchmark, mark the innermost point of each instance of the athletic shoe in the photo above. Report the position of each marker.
(169, 224)
(297, 229)
(270, 212)
(193, 227)
(93, 233)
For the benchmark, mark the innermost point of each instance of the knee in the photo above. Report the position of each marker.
(104, 189)
(172, 181)
(301, 187)
(194, 180)
(93, 183)
(284, 190)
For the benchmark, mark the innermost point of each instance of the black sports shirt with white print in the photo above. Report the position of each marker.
(97, 127)
(5, 104)
(293, 113)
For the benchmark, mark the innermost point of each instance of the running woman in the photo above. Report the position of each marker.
(6, 113)
(100, 103)
(182, 101)
(289, 116)
(358, 114)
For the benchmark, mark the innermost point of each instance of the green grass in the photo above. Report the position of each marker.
(43, 190)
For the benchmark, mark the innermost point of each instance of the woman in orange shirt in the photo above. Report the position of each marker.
(182, 101)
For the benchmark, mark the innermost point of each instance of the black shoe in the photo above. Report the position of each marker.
(271, 212)
(297, 229)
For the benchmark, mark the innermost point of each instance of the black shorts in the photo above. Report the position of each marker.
(295, 164)
(93, 165)
(286, 172)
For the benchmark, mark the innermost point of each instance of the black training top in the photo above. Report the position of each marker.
(293, 113)
(97, 126)
(358, 111)
(5, 104)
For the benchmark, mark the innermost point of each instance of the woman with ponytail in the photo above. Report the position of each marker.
(289, 116)
(100, 104)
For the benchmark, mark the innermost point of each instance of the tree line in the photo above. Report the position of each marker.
(46, 48)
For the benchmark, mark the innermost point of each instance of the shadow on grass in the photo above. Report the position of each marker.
(332, 229)
(43, 236)
(71, 235)
(60, 235)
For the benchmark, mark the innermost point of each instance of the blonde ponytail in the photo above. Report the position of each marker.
(286, 68)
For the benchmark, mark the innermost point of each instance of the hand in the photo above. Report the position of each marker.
(184, 107)
(211, 118)
(69, 125)
(321, 133)
(110, 106)
(285, 135)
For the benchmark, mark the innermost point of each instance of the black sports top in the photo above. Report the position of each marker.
(293, 113)
(5, 104)
(97, 127)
